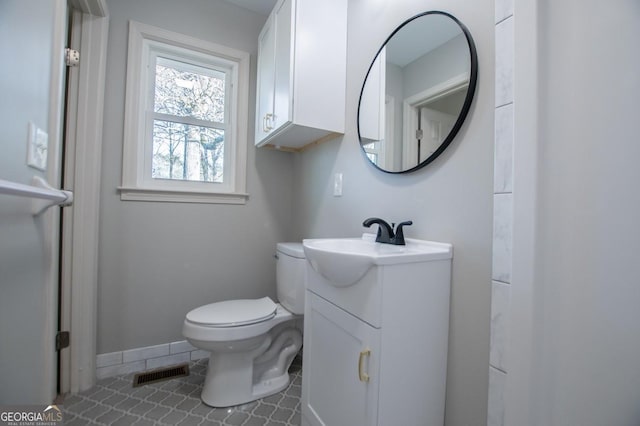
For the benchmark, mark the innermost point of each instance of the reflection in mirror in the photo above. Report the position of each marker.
(417, 92)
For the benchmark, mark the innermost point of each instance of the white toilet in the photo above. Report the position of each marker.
(252, 341)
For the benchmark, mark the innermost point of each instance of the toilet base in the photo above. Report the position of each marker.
(214, 397)
(235, 379)
(271, 386)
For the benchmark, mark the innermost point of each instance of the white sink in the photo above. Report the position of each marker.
(343, 261)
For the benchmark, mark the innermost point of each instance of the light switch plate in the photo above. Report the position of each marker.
(37, 147)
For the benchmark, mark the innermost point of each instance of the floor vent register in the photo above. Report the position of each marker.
(160, 374)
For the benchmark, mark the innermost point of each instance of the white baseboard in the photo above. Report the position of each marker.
(146, 358)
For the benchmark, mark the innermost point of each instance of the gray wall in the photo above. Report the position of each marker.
(157, 261)
(588, 293)
(450, 200)
(25, 42)
(437, 66)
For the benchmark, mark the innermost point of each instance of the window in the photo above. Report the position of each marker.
(189, 121)
(372, 149)
(185, 119)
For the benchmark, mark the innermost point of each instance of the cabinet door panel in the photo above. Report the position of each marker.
(266, 73)
(283, 62)
(336, 362)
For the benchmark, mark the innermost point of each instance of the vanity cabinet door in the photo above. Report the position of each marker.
(341, 373)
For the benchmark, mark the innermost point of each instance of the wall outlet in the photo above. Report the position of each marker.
(337, 185)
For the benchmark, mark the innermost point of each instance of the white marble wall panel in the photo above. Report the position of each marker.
(504, 62)
(502, 208)
(503, 150)
(504, 9)
(502, 236)
(500, 298)
(495, 415)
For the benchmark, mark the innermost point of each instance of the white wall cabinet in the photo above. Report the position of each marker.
(375, 353)
(301, 82)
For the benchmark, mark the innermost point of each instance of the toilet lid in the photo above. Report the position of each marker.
(233, 313)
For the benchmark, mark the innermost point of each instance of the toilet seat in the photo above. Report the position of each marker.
(233, 313)
(210, 333)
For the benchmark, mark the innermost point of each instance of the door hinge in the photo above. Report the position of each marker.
(62, 340)
(419, 134)
(71, 57)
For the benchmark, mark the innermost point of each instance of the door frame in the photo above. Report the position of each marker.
(82, 164)
(51, 219)
(410, 112)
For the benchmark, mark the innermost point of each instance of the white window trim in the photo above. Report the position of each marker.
(133, 186)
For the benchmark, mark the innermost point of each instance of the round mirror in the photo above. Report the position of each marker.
(417, 92)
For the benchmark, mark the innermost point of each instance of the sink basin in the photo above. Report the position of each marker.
(344, 261)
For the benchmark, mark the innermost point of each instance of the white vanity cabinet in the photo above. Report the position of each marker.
(375, 352)
(301, 81)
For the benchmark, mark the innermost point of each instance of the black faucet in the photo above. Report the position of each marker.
(385, 231)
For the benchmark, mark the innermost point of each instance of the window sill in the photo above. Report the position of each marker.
(169, 196)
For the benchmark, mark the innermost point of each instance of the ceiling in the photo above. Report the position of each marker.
(262, 7)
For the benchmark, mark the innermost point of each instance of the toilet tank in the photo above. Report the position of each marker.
(290, 276)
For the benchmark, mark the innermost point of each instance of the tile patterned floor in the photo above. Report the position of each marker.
(114, 401)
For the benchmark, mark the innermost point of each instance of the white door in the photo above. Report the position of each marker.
(32, 81)
(340, 374)
(435, 126)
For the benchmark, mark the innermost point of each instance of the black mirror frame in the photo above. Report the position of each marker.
(465, 106)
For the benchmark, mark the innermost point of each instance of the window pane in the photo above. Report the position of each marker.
(184, 152)
(371, 146)
(189, 91)
(373, 157)
(372, 150)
